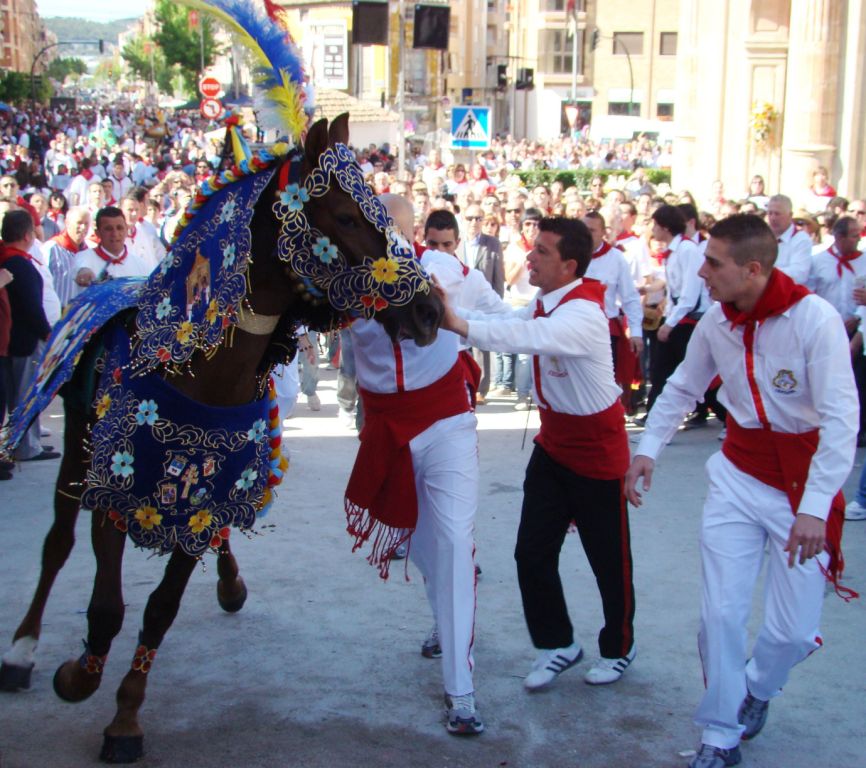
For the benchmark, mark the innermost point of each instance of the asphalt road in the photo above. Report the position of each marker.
(322, 666)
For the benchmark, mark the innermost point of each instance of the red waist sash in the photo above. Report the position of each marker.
(781, 460)
(591, 446)
(380, 497)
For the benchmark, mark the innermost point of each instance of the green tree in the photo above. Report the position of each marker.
(60, 68)
(15, 87)
(146, 61)
(182, 46)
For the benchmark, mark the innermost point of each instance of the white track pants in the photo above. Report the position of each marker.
(743, 517)
(445, 459)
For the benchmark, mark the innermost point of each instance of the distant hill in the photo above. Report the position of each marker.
(68, 29)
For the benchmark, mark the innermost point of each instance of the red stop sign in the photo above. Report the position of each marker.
(210, 87)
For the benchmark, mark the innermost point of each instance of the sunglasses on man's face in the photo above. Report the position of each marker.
(473, 218)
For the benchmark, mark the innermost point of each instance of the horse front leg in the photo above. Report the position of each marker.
(231, 590)
(124, 739)
(77, 679)
(17, 662)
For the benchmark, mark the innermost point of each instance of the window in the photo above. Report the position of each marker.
(668, 44)
(665, 111)
(632, 42)
(622, 108)
(555, 49)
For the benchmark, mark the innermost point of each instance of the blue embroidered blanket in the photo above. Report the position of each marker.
(167, 469)
(85, 316)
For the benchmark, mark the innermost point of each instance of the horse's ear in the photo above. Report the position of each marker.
(338, 133)
(317, 141)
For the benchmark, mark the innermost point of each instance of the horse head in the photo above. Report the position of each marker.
(339, 254)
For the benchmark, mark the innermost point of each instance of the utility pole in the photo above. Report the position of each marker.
(401, 93)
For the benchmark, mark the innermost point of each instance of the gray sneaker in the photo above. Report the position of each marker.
(753, 715)
(463, 719)
(715, 757)
(430, 648)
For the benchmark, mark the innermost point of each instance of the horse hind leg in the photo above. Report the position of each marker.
(77, 679)
(17, 663)
(123, 740)
(231, 590)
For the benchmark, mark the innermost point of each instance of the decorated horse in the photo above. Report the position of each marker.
(172, 436)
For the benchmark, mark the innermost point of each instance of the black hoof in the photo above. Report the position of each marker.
(14, 678)
(232, 605)
(121, 749)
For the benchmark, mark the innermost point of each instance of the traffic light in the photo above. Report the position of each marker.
(525, 79)
(596, 38)
(501, 76)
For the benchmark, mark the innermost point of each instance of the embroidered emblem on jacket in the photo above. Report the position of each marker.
(784, 382)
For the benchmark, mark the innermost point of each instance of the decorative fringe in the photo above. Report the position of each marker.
(361, 525)
(279, 465)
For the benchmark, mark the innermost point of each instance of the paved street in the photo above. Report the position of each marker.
(322, 666)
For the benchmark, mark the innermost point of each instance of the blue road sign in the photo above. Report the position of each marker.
(470, 127)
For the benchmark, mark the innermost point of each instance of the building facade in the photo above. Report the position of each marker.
(23, 36)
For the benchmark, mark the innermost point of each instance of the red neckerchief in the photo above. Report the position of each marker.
(67, 243)
(111, 201)
(132, 233)
(87, 173)
(109, 258)
(54, 214)
(419, 249)
(8, 251)
(524, 243)
(662, 257)
(843, 261)
(604, 248)
(780, 294)
(625, 235)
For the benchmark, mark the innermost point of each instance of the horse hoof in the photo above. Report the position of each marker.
(121, 749)
(232, 604)
(73, 684)
(14, 678)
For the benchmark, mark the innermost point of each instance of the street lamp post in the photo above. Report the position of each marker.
(48, 48)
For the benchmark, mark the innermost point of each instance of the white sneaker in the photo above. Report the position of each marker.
(608, 671)
(347, 418)
(550, 663)
(314, 403)
(524, 404)
(855, 511)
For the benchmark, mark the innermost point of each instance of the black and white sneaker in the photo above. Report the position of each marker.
(608, 671)
(753, 715)
(430, 648)
(550, 664)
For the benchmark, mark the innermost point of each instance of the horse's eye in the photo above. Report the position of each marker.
(345, 221)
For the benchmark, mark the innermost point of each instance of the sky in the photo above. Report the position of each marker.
(95, 10)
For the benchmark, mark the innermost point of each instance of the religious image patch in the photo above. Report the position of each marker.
(784, 382)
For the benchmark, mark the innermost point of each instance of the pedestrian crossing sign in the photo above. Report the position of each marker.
(470, 127)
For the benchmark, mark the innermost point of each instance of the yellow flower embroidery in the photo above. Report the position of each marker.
(211, 314)
(184, 332)
(102, 406)
(385, 270)
(200, 520)
(148, 517)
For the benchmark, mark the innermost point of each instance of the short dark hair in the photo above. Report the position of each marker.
(671, 218)
(575, 241)
(749, 239)
(688, 211)
(109, 212)
(842, 226)
(139, 193)
(442, 219)
(16, 226)
(596, 216)
(531, 214)
(632, 208)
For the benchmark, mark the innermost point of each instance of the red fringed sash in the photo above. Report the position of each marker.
(380, 498)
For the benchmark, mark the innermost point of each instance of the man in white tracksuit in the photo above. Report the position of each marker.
(782, 354)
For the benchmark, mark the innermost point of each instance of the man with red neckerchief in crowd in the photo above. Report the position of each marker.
(139, 238)
(635, 248)
(110, 258)
(60, 252)
(577, 467)
(839, 269)
(795, 246)
(608, 265)
(683, 287)
(782, 354)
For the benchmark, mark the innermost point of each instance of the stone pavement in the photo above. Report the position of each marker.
(322, 666)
